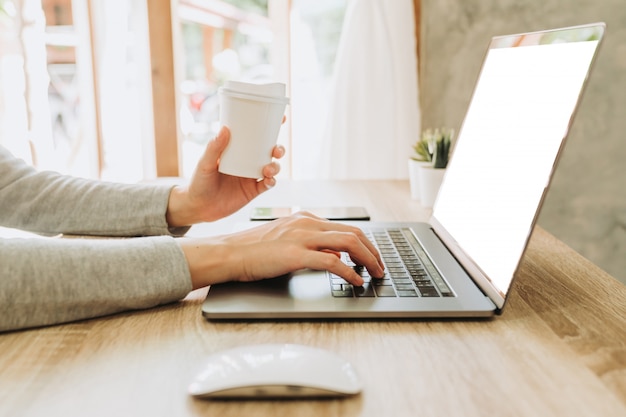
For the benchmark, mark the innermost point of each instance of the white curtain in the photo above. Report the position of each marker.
(374, 112)
(25, 127)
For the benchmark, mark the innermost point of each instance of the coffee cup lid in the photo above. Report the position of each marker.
(255, 97)
(266, 89)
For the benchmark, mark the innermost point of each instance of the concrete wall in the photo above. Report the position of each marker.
(586, 206)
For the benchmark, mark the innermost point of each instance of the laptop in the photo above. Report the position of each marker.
(463, 261)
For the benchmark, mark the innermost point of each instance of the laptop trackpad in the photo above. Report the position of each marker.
(300, 285)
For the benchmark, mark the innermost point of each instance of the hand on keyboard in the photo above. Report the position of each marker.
(275, 248)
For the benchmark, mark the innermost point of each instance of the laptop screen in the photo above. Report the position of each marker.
(507, 147)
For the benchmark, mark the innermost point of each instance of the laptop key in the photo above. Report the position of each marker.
(400, 278)
(364, 291)
(343, 294)
(385, 291)
(429, 292)
(401, 287)
(345, 291)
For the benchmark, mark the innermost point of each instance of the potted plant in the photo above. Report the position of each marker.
(422, 155)
(431, 175)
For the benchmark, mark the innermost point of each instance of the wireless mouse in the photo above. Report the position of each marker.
(275, 370)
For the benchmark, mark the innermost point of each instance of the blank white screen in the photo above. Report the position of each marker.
(506, 150)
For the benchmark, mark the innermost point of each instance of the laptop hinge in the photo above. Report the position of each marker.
(478, 276)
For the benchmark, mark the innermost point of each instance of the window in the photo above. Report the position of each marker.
(239, 40)
(315, 29)
(125, 90)
(220, 40)
(75, 94)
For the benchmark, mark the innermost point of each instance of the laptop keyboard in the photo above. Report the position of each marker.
(408, 271)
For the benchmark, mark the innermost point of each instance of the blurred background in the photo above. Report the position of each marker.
(125, 90)
(85, 65)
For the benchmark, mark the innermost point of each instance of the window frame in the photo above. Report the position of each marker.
(162, 19)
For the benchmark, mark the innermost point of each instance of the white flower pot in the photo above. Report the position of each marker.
(430, 181)
(414, 178)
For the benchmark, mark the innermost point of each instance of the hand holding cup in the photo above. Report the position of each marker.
(254, 114)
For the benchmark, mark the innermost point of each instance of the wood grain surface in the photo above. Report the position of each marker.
(559, 348)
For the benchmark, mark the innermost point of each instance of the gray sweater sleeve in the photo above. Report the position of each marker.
(47, 202)
(49, 280)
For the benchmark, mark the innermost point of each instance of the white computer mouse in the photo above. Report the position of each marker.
(275, 370)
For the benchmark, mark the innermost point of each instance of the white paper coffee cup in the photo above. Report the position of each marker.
(254, 114)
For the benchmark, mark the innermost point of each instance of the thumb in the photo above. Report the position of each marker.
(214, 148)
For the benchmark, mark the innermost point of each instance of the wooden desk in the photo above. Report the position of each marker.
(559, 349)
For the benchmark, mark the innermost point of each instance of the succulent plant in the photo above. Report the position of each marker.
(442, 148)
(422, 151)
(434, 146)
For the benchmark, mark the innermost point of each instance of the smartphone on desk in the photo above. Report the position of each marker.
(330, 213)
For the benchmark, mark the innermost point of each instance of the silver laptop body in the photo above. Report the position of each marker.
(504, 158)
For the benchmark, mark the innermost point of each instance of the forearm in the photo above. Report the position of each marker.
(47, 202)
(212, 260)
(73, 206)
(180, 211)
(49, 281)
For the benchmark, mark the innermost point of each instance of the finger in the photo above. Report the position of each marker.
(268, 181)
(215, 147)
(348, 242)
(325, 261)
(271, 170)
(333, 226)
(370, 246)
(266, 184)
(278, 151)
(334, 252)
